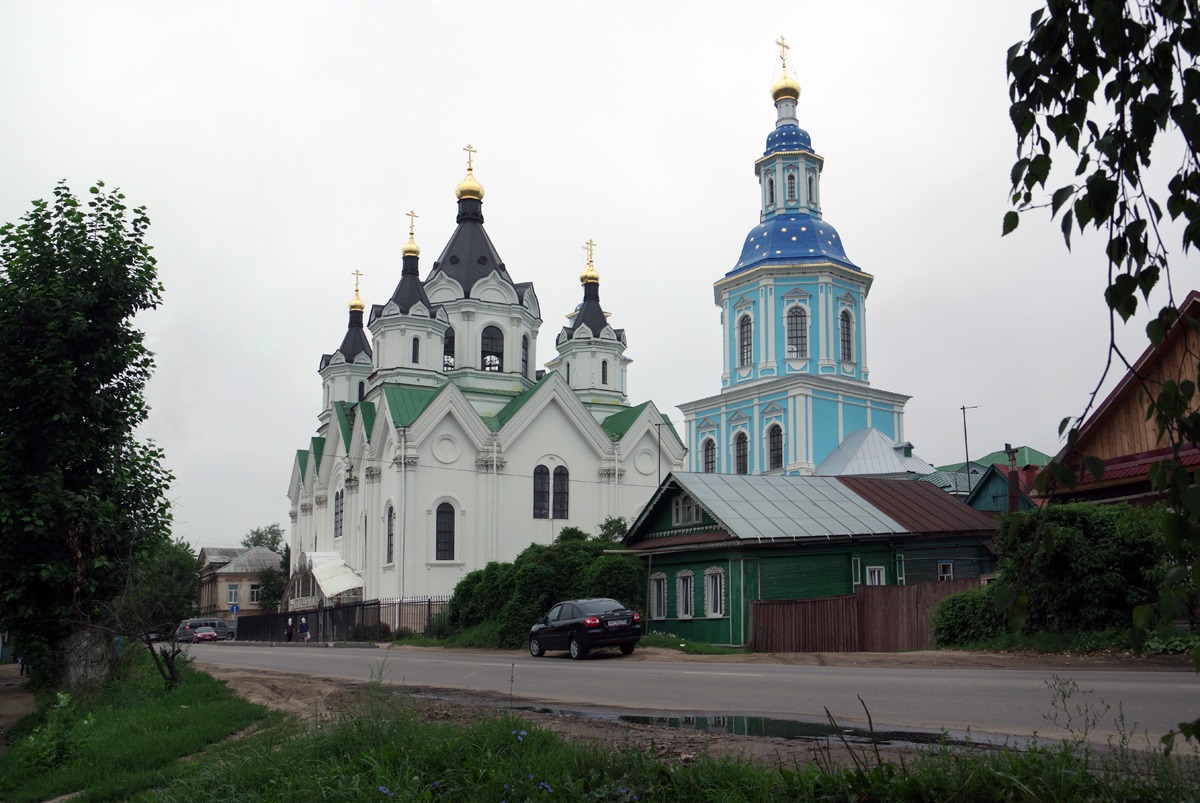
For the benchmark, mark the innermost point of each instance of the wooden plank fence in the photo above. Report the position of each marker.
(876, 619)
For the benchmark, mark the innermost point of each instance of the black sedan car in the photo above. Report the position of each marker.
(581, 625)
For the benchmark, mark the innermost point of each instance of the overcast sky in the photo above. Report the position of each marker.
(277, 146)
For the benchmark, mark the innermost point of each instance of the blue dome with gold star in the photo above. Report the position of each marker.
(787, 138)
(792, 239)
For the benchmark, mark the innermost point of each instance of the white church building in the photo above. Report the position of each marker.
(440, 446)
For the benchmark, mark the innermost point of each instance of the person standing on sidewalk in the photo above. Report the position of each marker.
(303, 629)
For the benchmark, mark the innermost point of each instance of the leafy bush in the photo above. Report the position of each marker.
(376, 632)
(968, 618)
(58, 741)
(1082, 566)
(509, 597)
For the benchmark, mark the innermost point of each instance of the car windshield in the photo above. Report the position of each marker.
(601, 605)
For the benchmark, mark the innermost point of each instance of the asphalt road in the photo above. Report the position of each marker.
(987, 703)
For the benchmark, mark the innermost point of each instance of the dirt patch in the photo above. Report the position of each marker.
(324, 697)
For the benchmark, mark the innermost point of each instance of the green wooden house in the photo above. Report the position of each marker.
(713, 543)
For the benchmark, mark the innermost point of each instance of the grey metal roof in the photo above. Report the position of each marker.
(252, 561)
(868, 452)
(768, 506)
(216, 555)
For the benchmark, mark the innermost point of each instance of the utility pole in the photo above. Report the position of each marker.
(966, 449)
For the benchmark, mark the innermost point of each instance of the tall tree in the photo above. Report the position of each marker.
(270, 536)
(1113, 81)
(81, 500)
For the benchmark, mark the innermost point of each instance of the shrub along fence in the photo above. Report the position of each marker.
(876, 619)
(376, 620)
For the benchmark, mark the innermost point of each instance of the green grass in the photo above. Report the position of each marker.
(379, 749)
(138, 733)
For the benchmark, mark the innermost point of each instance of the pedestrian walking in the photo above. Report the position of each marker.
(303, 629)
(289, 630)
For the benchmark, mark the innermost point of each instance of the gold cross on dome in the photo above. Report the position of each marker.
(470, 152)
(412, 219)
(590, 247)
(784, 47)
(357, 274)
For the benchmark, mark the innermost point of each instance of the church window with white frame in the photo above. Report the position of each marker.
(685, 594)
(541, 492)
(791, 187)
(491, 349)
(416, 351)
(562, 492)
(710, 456)
(847, 332)
(797, 333)
(658, 596)
(448, 351)
(444, 533)
(525, 355)
(770, 191)
(745, 341)
(741, 454)
(391, 535)
(339, 502)
(775, 447)
(714, 592)
(604, 372)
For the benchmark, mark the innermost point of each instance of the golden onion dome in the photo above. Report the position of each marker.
(411, 249)
(785, 87)
(589, 275)
(356, 303)
(469, 187)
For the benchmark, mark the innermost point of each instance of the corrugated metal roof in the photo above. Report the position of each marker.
(769, 506)
(252, 561)
(405, 404)
(870, 452)
(919, 506)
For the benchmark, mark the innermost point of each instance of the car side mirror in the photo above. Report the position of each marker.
(545, 620)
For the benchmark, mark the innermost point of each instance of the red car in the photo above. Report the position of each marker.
(205, 634)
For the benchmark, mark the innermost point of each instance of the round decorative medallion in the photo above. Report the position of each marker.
(446, 449)
(646, 461)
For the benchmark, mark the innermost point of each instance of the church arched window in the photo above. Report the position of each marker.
(812, 189)
(339, 501)
(561, 492)
(745, 341)
(391, 534)
(364, 532)
(710, 456)
(770, 190)
(525, 355)
(416, 351)
(448, 351)
(604, 372)
(741, 453)
(775, 447)
(362, 390)
(491, 347)
(444, 534)
(541, 493)
(791, 187)
(847, 331)
(797, 334)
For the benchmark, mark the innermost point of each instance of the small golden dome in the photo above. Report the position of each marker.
(356, 303)
(411, 249)
(785, 87)
(589, 275)
(469, 187)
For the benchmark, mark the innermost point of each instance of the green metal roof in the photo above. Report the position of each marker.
(302, 461)
(1026, 456)
(407, 403)
(344, 411)
(618, 424)
(368, 417)
(318, 449)
(495, 422)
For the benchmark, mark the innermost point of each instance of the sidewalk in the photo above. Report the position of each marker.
(15, 699)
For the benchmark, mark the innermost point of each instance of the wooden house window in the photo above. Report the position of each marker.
(684, 510)
(685, 595)
(875, 576)
(945, 570)
(714, 592)
(658, 596)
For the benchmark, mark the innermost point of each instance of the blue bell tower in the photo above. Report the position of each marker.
(795, 379)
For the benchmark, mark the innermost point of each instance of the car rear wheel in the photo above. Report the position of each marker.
(577, 650)
(535, 648)
(627, 649)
